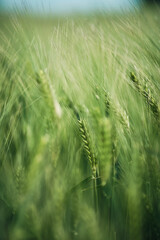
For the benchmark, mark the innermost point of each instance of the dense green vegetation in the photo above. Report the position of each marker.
(79, 126)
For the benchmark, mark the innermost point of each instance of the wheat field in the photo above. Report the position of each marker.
(80, 127)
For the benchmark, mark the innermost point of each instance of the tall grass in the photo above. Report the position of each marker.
(79, 107)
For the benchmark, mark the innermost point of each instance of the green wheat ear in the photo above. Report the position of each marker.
(120, 113)
(107, 103)
(105, 150)
(87, 145)
(146, 93)
(42, 81)
(49, 95)
(91, 157)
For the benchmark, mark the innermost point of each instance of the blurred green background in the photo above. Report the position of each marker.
(79, 124)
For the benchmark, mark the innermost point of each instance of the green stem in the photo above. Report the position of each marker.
(95, 194)
(112, 192)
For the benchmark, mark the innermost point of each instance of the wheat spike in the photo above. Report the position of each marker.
(146, 93)
(105, 150)
(117, 110)
(87, 145)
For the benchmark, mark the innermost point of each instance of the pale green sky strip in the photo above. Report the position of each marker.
(67, 6)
